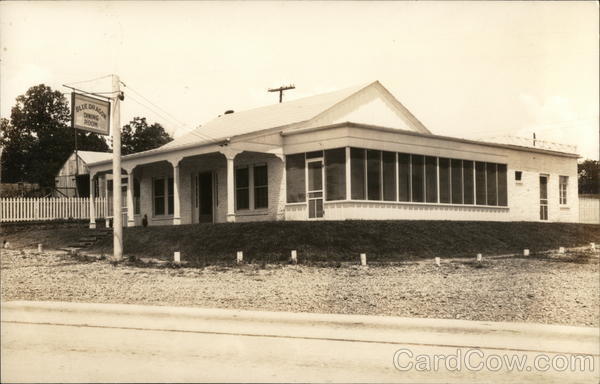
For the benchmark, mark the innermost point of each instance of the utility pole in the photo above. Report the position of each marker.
(116, 147)
(281, 89)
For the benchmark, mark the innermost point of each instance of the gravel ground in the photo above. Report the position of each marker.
(554, 289)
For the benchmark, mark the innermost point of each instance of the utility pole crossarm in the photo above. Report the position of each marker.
(281, 89)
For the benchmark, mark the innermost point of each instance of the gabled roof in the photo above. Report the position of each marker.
(287, 114)
(93, 157)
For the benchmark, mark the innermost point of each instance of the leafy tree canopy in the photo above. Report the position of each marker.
(38, 139)
(589, 177)
(138, 136)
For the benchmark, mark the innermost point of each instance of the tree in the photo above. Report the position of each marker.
(39, 139)
(138, 136)
(588, 174)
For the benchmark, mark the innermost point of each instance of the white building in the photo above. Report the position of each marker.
(357, 153)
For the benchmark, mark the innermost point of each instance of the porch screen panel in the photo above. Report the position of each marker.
(357, 170)
(444, 165)
(335, 174)
(431, 195)
(492, 186)
(468, 181)
(502, 190)
(389, 176)
(418, 178)
(457, 181)
(404, 176)
(295, 179)
(480, 188)
(374, 174)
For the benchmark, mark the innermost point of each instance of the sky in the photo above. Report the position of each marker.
(466, 69)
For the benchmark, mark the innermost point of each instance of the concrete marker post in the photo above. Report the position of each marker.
(526, 252)
(40, 247)
(561, 250)
(479, 257)
(240, 257)
(593, 246)
(294, 257)
(177, 257)
(437, 261)
(363, 259)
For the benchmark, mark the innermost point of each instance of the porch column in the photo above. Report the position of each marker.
(176, 195)
(349, 175)
(230, 155)
(130, 208)
(92, 202)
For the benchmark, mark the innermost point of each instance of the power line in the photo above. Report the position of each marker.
(153, 104)
(90, 80)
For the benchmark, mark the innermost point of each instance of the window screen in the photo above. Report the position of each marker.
(373, 175)
(404, 176)
(335, 174)
(261, 187)
(357, 169)
(492, 186)
(295, 178)
(159, 196)
(418, 178)
(431, 195)
(502, 191)
(242, 192)
(480, 188)
(444, 165)
(457, 182)
(171, 206)
(468, 182)
(389, 176)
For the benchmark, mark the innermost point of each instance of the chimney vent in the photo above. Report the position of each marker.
(229, 111)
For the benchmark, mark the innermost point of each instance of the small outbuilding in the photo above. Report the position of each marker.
(352, 154)
(73, 179)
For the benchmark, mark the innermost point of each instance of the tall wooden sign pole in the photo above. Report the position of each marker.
(116, 148)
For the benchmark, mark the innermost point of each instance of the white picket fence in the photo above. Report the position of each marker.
(37, 209)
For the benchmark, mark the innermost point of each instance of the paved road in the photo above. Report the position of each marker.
(45, 344)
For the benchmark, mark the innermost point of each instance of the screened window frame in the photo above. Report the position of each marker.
(563, 186)
(238, 188)
(256, 188)
(168, 205)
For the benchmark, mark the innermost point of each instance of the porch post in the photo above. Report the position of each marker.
(130, 209)
(230, 155)
(349, 175)
(176, 194)
(92, 202)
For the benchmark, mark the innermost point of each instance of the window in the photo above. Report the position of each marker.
(502, 191)
(492, 186)
(480, 187)
(456, 181)
(335, 174)
(444, 165)
(136, 196)
(358, 176)
(404, 176)
(170, 196)
(373, 175)
(468, 181)
(518, 175)
(389, 175)
(242, 188)
(159, 196)
(418, 178)
(295, 178)
(563, 182)
(431, 195)
(261, 187)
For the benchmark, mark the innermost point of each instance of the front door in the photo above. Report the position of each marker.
(315, 188)
(543, 197)
(205, 197)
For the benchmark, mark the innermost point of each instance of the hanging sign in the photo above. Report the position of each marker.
(90, 114)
